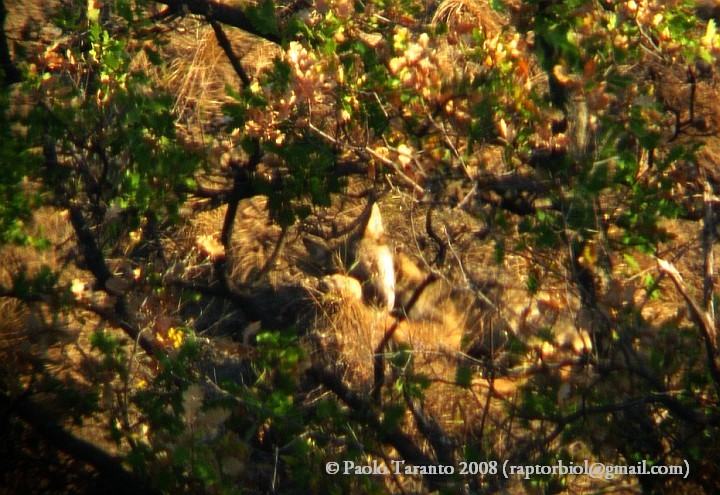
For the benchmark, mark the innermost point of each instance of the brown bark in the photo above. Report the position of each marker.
(9, 73)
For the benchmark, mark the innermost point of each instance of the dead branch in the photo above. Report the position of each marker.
(708, 237)
(707, 328)
(221, 12)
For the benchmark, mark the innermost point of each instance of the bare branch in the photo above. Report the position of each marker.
(108, 466)
(369, 151)
(224, 43)
(220, 12)
(400, 441)
(707, 328)
(378, 362)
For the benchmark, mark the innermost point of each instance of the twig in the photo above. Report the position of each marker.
(708, 235)
(366, 149)
(707, 328)
(378, 366)
(272, 260)
(224, 43)
(468, 197)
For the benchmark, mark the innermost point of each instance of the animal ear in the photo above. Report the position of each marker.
(374, 228)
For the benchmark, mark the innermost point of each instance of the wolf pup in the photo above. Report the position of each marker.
(364, 255)
(373, 262)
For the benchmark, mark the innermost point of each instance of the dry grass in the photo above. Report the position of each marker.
(253, 242)
(199, 73)
(463, 16)
(48, 339)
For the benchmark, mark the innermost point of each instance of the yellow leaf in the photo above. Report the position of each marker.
(709, 33)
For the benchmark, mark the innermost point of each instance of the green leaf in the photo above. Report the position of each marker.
(631, 261)
(262, 17)
(393, 417)
(463, 376)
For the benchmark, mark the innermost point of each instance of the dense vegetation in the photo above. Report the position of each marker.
(563, 158)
